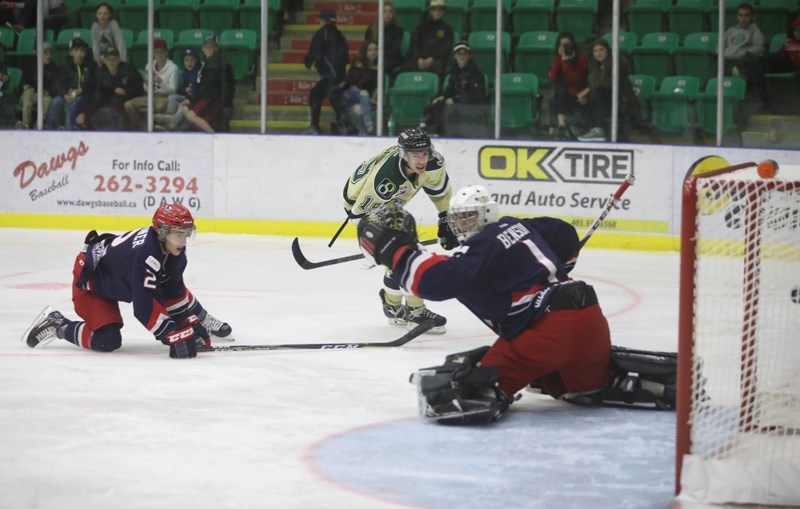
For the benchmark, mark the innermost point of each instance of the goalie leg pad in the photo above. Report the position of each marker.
(460, 392)
(641, 378)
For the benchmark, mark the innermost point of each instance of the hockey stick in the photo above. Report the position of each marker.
(339, 231)
(301, 260)
(613, 201)
(402, 340)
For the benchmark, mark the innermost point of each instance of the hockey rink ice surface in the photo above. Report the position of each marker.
(307, 428)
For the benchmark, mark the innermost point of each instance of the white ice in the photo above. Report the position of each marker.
(306, 429)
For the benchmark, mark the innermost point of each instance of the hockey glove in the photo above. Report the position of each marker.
(447, 239)
(182, 340)
(383, 245)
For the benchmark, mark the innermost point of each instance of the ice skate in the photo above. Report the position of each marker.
(415, 316)
(216, 327)
(44, 329)
(396, 315)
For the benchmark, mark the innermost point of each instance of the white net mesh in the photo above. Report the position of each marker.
(745, 396)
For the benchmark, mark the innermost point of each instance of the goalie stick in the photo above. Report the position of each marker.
(402, 340)
(304, 262)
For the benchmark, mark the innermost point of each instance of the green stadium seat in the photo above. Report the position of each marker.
(411, 94)
(218, 15)
(178, 14)
(644, 86)
(26, 46)
(713, 16)
(73, 12)
(733, 93)
(483, 48)
(627, 43)
(483, 15)
(647, 16)
(697, 56)
(86, 12)
(774, 16)
(250, 17)
(534, 53)
(519, 102)
(133, 15)
(672, 104)
(782, 87)
(578, 17)
(8, 38)
(238, 47)
(456, 16)
(409, 13)
(688, 16)
(14, 77)
(191, 38)
(532, 16)
(654, 55)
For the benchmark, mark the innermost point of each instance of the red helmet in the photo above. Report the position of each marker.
(170, 216)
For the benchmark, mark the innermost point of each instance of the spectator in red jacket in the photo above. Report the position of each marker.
(569, 73)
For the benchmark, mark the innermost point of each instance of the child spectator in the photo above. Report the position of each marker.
(569, 73)
(106, 32)
(173, 115)
(744, 46)
(165, 82)
(787, 58)
(75, 83)
(393, 57)
(431, 42)
(466, 84)
(50, 74)
(362, 82)
(213, 91)
(116, 83)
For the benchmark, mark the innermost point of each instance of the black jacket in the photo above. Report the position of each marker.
(73, 76)
(393, 44)
(328, 51)
(467, 85)
(50, 75)
(431, 39)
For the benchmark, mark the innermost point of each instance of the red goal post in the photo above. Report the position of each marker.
(738, 394)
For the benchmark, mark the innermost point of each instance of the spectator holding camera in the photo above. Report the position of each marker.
(569, 73)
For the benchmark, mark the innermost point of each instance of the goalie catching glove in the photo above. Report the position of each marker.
(386, 233)
(447, 239)
(461, 391)
(182, 340)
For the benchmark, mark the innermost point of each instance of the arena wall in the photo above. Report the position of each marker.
(292, 185)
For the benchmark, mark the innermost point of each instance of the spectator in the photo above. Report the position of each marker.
(362, 82)
(8, 100)
(598, 95)
(431, 42)
(22, 15)
(466, 84)
(50, 74)
(106, 32)
(744, 46)
(329, 53)
(165, 82)
(173, 115)
(116, 83)
(213, 91)
(393, 57)
(787, 58)
(75, 83)
(569, 73)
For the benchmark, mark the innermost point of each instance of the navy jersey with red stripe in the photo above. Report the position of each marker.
(133, 268)
(505, 274)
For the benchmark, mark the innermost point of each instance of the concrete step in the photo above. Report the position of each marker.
(341, 8)
(342, 18)
(293, 113)
(300, 31)
(290, 43)
(295, 56)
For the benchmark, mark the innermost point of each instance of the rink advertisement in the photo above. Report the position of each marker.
(100, 174)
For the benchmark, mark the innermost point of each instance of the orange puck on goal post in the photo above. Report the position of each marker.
(767, 169)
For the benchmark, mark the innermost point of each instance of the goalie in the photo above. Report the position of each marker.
(514, 275)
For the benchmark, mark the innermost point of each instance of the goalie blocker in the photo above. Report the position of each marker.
(461, 391)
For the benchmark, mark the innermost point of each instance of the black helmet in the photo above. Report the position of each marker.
(414, 140)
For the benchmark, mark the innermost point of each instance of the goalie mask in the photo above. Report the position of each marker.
(471, 209)
(174, 224)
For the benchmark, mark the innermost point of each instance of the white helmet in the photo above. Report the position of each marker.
(471, 208)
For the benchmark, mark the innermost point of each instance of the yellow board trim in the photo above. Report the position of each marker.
(601, 239)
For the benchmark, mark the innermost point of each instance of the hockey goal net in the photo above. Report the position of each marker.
(738, 409)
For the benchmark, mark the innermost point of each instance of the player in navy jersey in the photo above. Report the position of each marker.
(144, 267)
(513, 274)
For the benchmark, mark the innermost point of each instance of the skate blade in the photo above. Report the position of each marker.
(39, 319)
(228, 338)
(434, 330)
